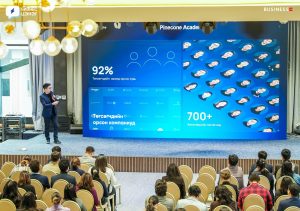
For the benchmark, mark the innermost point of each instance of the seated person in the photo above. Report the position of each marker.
(53, 164)
(151, 203)
(28, 202)
(287, 170)
(88, 158)
(223, 197)
(56, 198)
(161, 193)
(194, 193)
(284, 186)
(11, 192)
(25, 182)
(35, 168)
(23, 165)
(285, 156)
(294, 200)
(64, 167)
(236, 170)
(225, 176)
(75, 166)
(70, 195)
(95, 175)
(262, 155)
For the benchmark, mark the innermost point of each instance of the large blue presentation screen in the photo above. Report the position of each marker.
(182, 83)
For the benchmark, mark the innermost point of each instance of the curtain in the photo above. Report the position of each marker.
(74, 93)
(293, 92)
(42, 71)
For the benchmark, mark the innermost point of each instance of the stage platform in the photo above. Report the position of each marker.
(137, 155)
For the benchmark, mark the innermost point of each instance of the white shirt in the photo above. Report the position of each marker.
(111, 177)
(191, 201)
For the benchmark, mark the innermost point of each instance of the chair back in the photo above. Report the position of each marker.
(255, 208)
(208, 180)
(87, 199)
(7, 167)
(174, 190)
(191, 208)
(72, 205)
(292, 208)
(39, 189)
(209, 170)
(184, 169)
(46, 197)
(76, 175)
(2, 176)
(111, 167)
(49, 174)
(218, 208)
(99, 189)
(233, 192)
(253, 199)
(278, 200)
(15, 176)
(204, 191)
(3, 183)
(41, 205)
(60, 186)
(85, 167)
(161, 207)
(278, 174)
(103, 177)
(278, 182)
(8, 205)
(264, 181)
(186, 181)
(22, 191)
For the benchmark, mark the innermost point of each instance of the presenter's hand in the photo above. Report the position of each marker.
(55, 103)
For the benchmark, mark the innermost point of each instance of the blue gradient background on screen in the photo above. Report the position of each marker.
(153, 96)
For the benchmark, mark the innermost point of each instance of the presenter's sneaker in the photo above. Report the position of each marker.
(57, 141)
(48, 141)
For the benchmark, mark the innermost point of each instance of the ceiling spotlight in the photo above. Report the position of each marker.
(9, 28)
(31, 29)
(207, 27)
(3, 50)
(36, 47)
(69, 44)
(151, 27)
(52, 46)
(48, 5)
(74, 28)
(89, 28)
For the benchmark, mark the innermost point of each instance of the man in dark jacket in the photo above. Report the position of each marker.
(294, 201)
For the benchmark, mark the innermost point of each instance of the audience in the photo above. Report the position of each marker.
(75, 166)
(88, 158)
(225, 176)
(255, 188)
(173, 175)
(294, 200)
(64, 167)
(151, 203)
(236, 170)
(25, 182)
(287, 170)
(223, 197)
(56, 198)
(86, 183)
(161, 193)
(10, 191)
(262, 155)
(95, 175)
(70, 195)
(35, 168)
(53, 164)
(283, 190)
(23, 165)
(28, 202)
(194, 193)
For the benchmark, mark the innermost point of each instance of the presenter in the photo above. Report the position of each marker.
(49, 103)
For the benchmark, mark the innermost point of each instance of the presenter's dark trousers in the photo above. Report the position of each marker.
(54, 121)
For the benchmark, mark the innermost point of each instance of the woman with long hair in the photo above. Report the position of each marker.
(173, 175)
(10, 191)
(223, 197)
(70, 195)
(151, 203)
(284, 186)
(28, 202)
(95, 175)
(25, 182)
(287, 170)
(86, 183)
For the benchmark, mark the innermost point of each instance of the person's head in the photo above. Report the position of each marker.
(90, 151)
(47, 88)
(10, 190)
(25, 160)
(160, 187)
(151, 203)
(101, 163)
(284, 186)
(70, 192)
(24, 178)
(75, 163)
(285, 154)
(254, 178)
(194, 191)
(56, 149)
(225, 174)
(287, 169)
(261, 164)
(55, 198)
(28, 201)
(86, 182)
(293, 190)
(262, 155)
(233, 160)
(223, 195)
(34, 166)
(55, 156)
(63, 165)
(173, 171)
